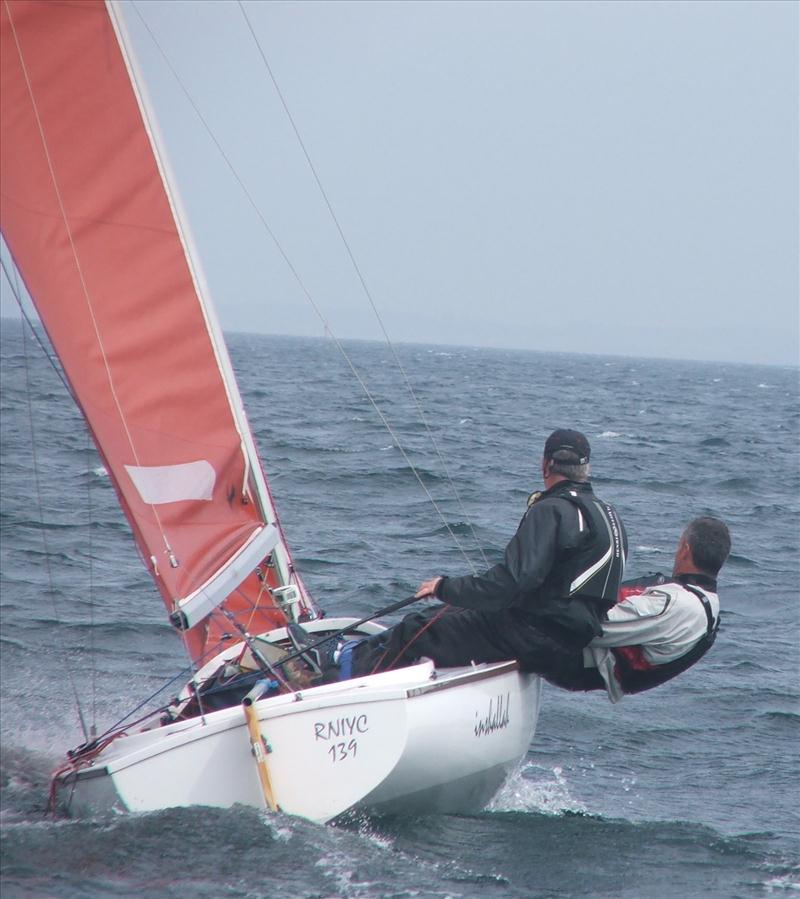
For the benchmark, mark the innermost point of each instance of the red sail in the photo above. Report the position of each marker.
(88, 217)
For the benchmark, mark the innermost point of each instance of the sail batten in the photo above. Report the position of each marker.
(95, 226)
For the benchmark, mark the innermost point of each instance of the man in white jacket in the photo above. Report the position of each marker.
(658, 630)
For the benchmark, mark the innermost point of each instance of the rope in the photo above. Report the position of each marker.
(367, 292)
(303, 288)
(257, 656)
(419, 633)
(262, 589)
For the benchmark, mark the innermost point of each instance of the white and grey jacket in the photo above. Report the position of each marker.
(665, 623)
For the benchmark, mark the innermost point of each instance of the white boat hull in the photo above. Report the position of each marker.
(406, 741)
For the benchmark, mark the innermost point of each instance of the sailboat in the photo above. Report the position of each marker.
(97, 233)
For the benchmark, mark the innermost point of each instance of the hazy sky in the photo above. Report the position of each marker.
(589, 177)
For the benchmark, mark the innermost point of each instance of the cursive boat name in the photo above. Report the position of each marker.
(340, 727)
(497, 718)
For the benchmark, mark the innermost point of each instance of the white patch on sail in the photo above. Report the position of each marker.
(158, 484)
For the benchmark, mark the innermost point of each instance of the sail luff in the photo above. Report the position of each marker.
(254, 475)
(184, 232)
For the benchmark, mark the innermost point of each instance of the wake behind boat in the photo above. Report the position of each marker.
(93, 222)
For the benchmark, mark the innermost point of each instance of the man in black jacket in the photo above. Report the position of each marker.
(559, 576)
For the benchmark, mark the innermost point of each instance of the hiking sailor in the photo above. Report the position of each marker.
(548, 597)
(652, 636)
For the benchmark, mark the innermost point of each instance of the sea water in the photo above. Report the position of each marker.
(688, 790)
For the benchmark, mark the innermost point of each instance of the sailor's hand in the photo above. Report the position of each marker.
(428, 588)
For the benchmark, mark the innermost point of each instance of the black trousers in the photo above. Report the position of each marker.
(452, 637)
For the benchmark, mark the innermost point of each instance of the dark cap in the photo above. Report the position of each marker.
(567, 447)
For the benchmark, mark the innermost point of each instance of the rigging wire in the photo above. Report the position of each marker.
(362, 280)
(303, 288)
(38, 493)
(92, 594)
(42, 346)
(192, 668)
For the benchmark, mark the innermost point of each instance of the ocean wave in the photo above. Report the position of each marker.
(737, 483)
(738, 559)
(533, 788)
(460, 528)
(789, 880)
(780, 715)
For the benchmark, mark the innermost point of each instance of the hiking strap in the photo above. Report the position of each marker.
(712, 625)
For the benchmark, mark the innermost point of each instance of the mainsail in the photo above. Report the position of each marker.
(94, 227)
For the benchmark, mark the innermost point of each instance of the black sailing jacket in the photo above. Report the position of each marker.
(561, 571)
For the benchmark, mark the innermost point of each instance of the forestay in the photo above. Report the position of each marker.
(93, 223)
